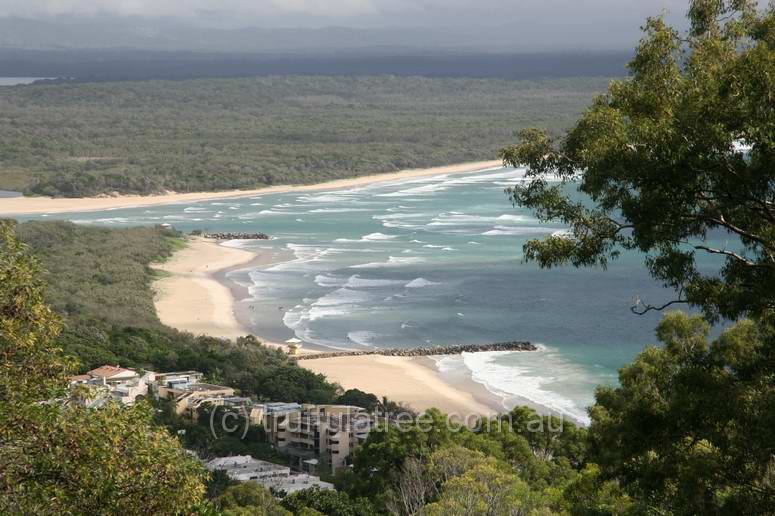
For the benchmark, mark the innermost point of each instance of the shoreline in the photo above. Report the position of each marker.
(196, 295)
(192, 297)
(41, 205)
(239, 292)
(414, 381)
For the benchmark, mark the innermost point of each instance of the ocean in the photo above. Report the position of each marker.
(421, 262)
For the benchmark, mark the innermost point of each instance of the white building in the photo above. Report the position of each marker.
(244, 468)
(124, 385)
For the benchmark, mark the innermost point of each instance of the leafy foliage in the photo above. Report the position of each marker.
(678, 155)
(100, 275)
(358, 398)
(62, 459)
(249, 498)
(689, 429)
(327, 502)
(433, 465)
(660, 157)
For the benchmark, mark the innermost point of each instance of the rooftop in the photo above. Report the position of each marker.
(244, 463)
(198, 387)
(108, 371)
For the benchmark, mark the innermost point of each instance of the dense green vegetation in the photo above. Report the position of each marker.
(62, 459)
(100, 281)
(144, 137)
(686, 432)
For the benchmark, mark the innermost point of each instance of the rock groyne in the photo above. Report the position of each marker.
(425, 351)
(236, 236)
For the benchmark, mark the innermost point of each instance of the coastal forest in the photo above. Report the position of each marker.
(147, 137)
(683, 147)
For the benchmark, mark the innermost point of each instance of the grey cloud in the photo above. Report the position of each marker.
(358, 11)
(612, 24)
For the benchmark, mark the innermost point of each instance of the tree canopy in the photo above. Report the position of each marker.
(57, 457)
(689, 429)
(678, 159)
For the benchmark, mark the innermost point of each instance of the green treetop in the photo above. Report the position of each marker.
(57, 457)
(681, 151)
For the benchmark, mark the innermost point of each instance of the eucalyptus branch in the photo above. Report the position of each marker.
(724, 252)
(649, 308)
(721, 221)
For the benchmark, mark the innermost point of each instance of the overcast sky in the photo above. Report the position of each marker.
(359, 13)
(578, 24)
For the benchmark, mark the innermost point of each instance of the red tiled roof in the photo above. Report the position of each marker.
(107, 371)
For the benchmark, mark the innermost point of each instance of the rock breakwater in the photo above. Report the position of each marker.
(426, 351)
(236, 236)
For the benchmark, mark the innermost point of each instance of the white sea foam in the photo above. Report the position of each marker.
(334, 197)
(338, 210)
(543, 377)
(399, 216)
(106, 220)
(262, 213)
(324, 280)
(393, 261)
(416, 191)
(376, 237)
(420, 283)
(371, 237)
(516, 231)
(516, 218)
(343, 296)
(356, 281)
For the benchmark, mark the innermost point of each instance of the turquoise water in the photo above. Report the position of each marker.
(430, 261)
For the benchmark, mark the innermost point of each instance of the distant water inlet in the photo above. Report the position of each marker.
(435, 261)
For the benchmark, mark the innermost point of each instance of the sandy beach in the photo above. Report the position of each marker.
(191, 298)
(194, 296)
(32, 205)
(414, 381)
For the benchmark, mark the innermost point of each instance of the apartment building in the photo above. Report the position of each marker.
(318, 436)
(189, 393)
